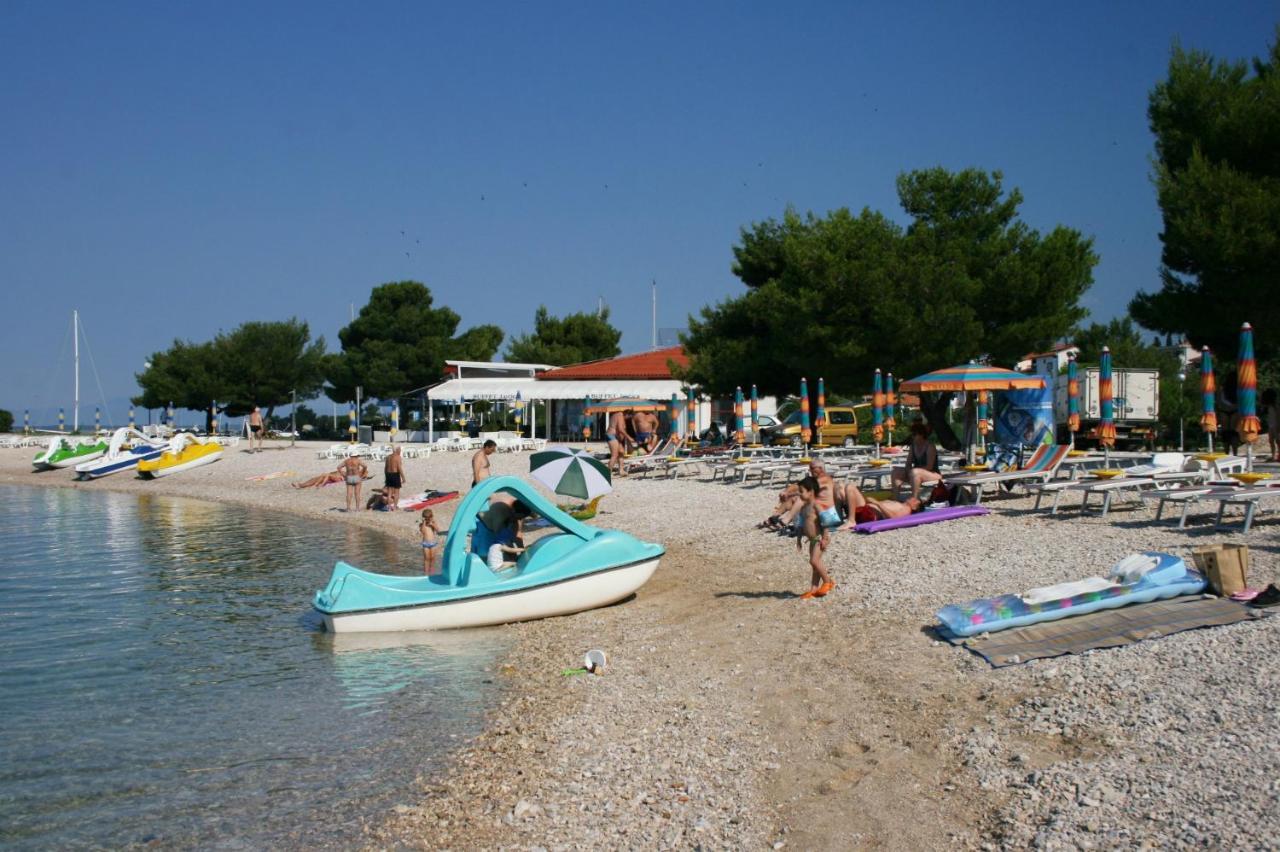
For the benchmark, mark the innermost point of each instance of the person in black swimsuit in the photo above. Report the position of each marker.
(922, 462)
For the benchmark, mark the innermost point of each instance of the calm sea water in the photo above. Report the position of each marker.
(163, 680)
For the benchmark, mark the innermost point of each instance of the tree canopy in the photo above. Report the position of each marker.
(259, 363)
(399, 342)
(1217, 175)
(840, 295)
(569, 340)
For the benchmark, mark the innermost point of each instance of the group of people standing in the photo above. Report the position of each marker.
(628, 430)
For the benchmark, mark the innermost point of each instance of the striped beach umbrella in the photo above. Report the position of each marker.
(573, 473)
(1107, 422)
(755, 412)
(890, 407)
(971, 377)
(1247, 387)
(62, 421)
(984, 424)
(877, 407)
(738, 405)
(395, 419)
(691, 417)
(351, 421)
(820, 416)
(805, 433)
(1208, 388)
(674, 415)
(1073, 399)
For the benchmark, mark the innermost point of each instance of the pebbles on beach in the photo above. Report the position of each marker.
(733, 715)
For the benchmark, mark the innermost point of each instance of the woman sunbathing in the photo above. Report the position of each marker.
(865, 509)
(331, 478)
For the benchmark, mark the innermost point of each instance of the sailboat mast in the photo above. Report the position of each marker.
(75, 335)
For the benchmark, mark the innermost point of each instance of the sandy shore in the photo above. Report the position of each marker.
(735, 716)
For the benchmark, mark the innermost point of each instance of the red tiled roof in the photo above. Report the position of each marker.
(646, 365)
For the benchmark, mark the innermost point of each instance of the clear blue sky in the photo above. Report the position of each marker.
(175, 169)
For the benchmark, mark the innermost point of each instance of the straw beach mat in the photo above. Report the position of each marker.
(1110, 628)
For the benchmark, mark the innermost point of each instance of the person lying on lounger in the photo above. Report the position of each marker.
(865, 509)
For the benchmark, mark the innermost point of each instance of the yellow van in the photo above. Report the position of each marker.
(841, 428)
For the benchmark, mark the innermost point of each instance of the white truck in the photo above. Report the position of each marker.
(1135, 399)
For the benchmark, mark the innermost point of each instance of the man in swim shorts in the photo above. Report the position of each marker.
(255, 429)
(480, 462)
(619, 438)
(394, 473)
(645, 425)
(827, 497)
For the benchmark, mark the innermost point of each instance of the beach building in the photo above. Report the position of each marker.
(565, 390)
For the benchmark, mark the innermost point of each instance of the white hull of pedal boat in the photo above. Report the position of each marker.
(565, 597)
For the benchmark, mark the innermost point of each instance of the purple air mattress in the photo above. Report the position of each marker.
(929, 516)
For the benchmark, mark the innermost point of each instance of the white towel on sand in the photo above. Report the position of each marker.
(1066, 590)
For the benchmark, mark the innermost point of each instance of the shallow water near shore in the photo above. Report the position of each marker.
(166, 682)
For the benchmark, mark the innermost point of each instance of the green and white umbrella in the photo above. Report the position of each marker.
(573, 473)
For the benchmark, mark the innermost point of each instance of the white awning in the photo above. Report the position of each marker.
(658, 390)
(472, 390)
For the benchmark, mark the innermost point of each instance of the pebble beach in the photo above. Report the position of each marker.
(734, 715)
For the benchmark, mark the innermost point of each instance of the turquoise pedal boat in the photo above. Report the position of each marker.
(577, 568)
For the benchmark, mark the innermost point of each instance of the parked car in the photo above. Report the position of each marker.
(725, 429)
(841, 428)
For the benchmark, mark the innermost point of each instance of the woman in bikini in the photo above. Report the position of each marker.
(430, 542)
(864, 509)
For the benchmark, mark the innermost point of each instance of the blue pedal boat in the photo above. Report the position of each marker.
(576, 568)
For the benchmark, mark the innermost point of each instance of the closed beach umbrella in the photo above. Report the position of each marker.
(755, 412)
(691, 417)
(131, 417)
(586, 420)
(97, 420)
(820, 416)
(984, 424)
(62, 421)
(1107, 422)
(1247, 392)
(1208, 387)
(890, 407)
(877, 408)
(1247, 386)
(395, 419)
(573, 473)
(351, 421)
(1073, 399)
(26, 420)
(737, 416)
(674, 414)
(518, 408)
(805, 433)
(169, 415)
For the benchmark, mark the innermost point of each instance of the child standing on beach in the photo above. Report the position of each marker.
(430, 541)
(818, 537)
